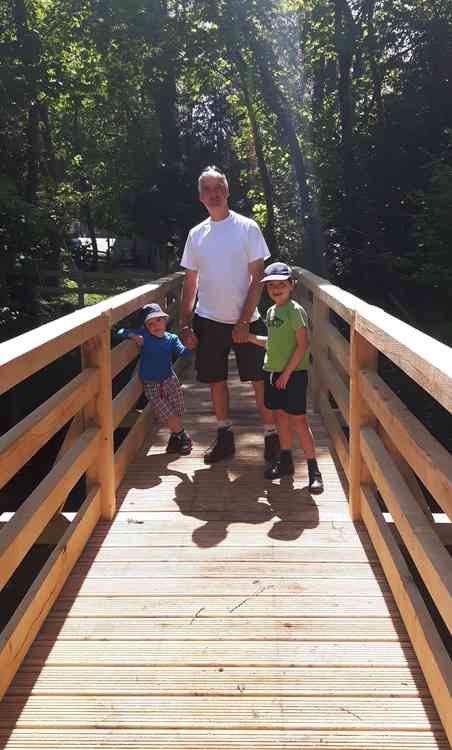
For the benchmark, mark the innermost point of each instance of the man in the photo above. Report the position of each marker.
(224, 261)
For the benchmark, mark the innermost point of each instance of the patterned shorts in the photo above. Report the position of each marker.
(166, 397)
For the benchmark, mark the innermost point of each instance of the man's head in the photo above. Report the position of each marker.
(214, 192)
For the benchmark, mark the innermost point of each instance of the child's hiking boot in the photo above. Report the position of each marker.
(282, 466)
(315, 477)
(179, 443)
(271, 447)
(223, 447)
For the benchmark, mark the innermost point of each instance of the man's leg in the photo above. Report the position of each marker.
(224, 445)
(220, 400)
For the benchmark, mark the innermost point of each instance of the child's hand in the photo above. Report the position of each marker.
(139, 340)
(282, 381)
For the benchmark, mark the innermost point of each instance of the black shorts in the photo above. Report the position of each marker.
(215, 343)
(292, 398)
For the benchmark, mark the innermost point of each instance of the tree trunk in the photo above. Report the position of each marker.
(269, 231)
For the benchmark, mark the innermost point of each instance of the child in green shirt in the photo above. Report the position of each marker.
(286, 366)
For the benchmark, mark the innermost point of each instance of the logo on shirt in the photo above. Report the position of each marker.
(275, 322)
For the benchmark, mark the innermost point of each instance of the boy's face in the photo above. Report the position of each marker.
(156, 326)
(279, 291)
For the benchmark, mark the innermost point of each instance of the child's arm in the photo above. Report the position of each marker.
(258, 340)
(302, 337)
(136, 334)
(179, 349)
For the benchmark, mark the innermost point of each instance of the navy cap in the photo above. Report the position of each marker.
(277, 272)
(154, 311)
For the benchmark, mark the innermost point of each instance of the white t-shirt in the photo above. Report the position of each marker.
(221, 252)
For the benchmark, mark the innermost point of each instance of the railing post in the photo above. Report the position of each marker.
(320, 313)
(96, 352)
(362, 356)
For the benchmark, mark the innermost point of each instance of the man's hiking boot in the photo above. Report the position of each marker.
(271, 447)
(181, 443)
(315, 478)
(223, 447)
(282, 466)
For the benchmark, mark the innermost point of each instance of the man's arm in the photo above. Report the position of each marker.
(189, 290)
(241, 330)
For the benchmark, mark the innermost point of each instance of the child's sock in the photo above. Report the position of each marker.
(224, 424)
(269, 429)
(178, 434)
(313, 465)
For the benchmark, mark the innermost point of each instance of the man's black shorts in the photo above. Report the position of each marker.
(215, 343)
(292, 398)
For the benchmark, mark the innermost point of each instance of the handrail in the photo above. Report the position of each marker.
(381, 446)
(88, 450)
(383, 451)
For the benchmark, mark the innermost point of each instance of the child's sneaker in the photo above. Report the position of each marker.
(179, 443)
(315, 477)
(282, 466)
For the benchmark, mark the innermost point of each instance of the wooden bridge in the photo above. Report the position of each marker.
(188, 606)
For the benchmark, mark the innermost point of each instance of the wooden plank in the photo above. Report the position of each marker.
(183, 739)
(126, 398)
(122, 355)
(99, 413)
(241, 712)
(22, 628)
(427, 361)
(363, 354)
(129, 447)
(293, 606)
(334, 383)
(240, 587)
(221, 653)
(318, 346)
(124, 304)
(22, 356)
(337, 344)
(285, 570)
(230, 681)
(433, 657)
(340, 301)
(342, 554)
(365, 629)
(25, 439)
(406, 472)
(336, 433)
(34, 514)
(213, 739)
(426, 456)
(430, 557)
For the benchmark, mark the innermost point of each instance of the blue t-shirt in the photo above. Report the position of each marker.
(156, 356)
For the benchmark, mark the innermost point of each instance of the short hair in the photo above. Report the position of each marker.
(212, 171)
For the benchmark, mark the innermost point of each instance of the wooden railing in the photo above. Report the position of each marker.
(384, 450)
(88, 448)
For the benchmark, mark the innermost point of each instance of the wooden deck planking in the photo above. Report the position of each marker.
(221, 610)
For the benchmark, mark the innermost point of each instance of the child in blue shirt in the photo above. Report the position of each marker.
(160, 382)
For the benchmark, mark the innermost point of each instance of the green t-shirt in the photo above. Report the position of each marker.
(282, 323)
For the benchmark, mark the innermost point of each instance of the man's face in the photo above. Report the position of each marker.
(213, 193)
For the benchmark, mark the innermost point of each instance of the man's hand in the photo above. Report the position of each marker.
(139, 340)
(189, 338)
(240, 333)
(282, 380)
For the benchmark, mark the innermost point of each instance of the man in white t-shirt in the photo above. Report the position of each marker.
(224, 261)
